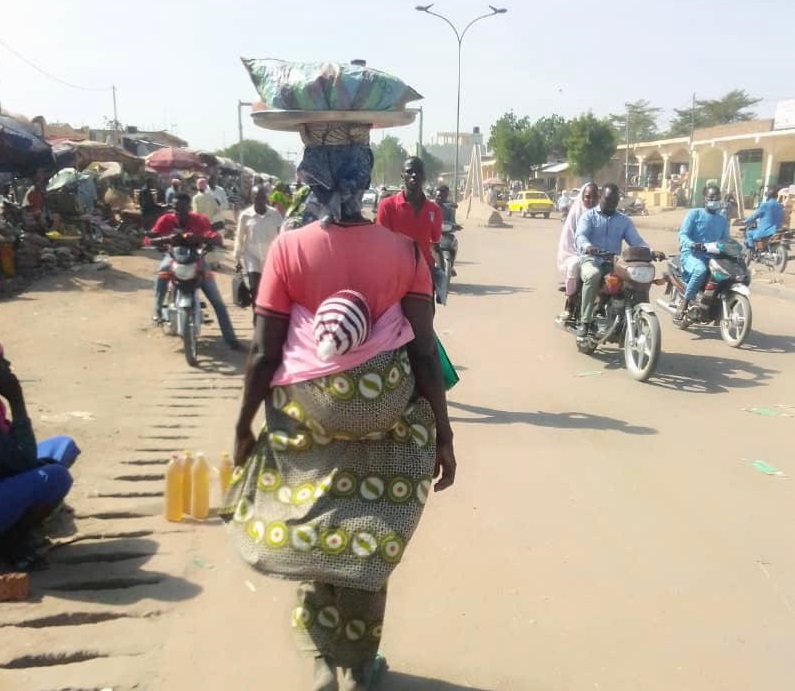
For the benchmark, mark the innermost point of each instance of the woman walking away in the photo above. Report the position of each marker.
(568, 257)
(356, 425)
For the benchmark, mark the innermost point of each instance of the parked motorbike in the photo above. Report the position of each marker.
(772, 252)
(633, 206)
(724, 301)
(181, 313)
(623, 314)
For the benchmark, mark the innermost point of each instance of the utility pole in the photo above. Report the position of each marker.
(240, 156)
(419, 141)
(693, 118)
(115, 119)
(626, 155)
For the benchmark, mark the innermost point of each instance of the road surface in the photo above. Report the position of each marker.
(602, 534)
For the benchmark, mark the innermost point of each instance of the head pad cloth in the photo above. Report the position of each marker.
(342, 323)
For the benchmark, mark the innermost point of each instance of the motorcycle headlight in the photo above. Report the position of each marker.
(184, 272)
(640, 274)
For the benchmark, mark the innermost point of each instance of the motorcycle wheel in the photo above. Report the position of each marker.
(781, 259)
(189, 339)
(641, 356)
(448, 267)
(736, 328)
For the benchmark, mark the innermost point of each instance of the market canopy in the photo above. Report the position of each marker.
(82, 154)
(170, 158)
(21, 149)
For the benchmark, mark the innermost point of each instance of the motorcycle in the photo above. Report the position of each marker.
(623, 314)
(181, 313)
(772, 252)
(633, 206)
(724, 301)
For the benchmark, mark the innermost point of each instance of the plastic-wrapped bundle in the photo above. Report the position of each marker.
(327, 86)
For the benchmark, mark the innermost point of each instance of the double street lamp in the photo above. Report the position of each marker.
(460, 38)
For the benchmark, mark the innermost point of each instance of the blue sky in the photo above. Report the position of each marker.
(176, 63)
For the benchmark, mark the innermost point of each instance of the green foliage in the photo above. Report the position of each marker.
(434, 166)
(389, 156)
(732, 107)
(518, 146)
(590, 144)
(262, 158)
(642, 122)
(553, 130)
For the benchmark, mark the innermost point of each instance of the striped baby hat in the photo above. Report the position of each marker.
(342, 323)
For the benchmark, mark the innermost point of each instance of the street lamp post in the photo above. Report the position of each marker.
(460, 38)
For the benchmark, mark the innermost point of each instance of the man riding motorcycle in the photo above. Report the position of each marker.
(700, 227)
(601, 229)
(183, 221)
(769, 216)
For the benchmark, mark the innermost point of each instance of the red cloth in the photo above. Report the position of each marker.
(424, 227)
(197, 224)
(308, 265)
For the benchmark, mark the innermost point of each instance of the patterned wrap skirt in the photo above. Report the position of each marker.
(339, 478)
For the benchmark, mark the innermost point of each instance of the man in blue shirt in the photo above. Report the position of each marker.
(601, 228)
(769, 215)
(700, 227)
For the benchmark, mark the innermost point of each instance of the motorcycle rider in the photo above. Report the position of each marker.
(181, 221)
(769, 216)
(700, 227)
(602, 228)
(442, 200)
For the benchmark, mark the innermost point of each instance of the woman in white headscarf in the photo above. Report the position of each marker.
(568, 257)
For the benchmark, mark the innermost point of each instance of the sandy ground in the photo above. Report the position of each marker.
(602, 534)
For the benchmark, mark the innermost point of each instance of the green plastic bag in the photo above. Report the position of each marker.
(449, 374)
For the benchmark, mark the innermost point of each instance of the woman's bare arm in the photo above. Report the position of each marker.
(430, 383)
(270, 334)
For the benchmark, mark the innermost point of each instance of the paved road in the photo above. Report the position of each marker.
(602, 534)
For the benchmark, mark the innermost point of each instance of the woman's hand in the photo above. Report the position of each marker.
(445, 465)
(244, 445)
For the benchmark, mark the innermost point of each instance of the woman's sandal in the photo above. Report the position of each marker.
(325, 675)
(365, 678)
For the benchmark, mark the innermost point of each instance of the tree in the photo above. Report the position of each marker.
(642, 122)
(590, 144)
(261, 157)
(732, 107)
(434, 166)
(389, 156)
(553, 130)
(517, 146)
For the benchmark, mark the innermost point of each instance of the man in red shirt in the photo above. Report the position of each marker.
(183, 220)
(410, 212)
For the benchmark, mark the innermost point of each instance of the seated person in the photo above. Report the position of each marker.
(30, 488)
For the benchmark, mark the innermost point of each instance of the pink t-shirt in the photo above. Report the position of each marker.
(307, 265)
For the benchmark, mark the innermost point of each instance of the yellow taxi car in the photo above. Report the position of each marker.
(531, 203)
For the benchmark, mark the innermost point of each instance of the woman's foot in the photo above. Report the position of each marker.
(363, 677)
(325, 675)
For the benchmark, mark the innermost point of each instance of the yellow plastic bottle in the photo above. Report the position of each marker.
(200, 488)
(225, 473)
(173, 496)
(187, 480)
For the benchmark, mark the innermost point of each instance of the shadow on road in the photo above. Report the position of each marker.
(396, 681)
(707, 375)
(769, 343)
(757, 342)
(94, 279)
(485, 290)
(568, 420)
(110, 572)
